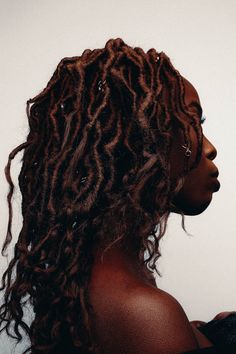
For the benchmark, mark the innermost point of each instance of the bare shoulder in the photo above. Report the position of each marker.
(160, 321)
(146, 320)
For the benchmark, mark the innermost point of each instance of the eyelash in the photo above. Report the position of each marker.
(203, 118)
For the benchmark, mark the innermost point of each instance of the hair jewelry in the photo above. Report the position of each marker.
(188, 152)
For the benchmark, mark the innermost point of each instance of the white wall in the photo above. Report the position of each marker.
(199, 36)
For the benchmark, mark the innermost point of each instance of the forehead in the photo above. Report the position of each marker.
(191, 94)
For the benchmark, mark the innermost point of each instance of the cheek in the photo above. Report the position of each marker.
(178, 159)
(196, 194)
(198, 178)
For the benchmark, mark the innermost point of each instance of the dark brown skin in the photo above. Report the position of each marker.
(201, 182)
(133, 316)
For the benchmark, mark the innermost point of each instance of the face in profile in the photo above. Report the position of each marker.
(201, 182)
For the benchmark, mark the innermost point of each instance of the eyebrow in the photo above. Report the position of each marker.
(198, 106)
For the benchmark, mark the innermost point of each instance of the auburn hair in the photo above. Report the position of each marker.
(95, 170)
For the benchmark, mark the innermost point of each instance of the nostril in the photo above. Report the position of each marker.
(212, 153)
(209, 148)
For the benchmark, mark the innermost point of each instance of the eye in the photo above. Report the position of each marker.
(203, 118)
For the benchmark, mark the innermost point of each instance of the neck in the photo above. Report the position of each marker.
(122, 259)
(118, 254)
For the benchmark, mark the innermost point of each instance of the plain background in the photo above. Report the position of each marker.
(199, 36)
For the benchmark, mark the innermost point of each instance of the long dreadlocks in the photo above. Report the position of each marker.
(95, 170)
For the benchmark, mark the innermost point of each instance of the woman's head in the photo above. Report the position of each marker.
(201, 182)
(103, 163)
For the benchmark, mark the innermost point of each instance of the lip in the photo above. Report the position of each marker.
(216, 185)
(215, 173)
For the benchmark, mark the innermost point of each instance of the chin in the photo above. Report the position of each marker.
(196, 210)
(192, 208)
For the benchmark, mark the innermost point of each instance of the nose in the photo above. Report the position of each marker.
(209, 149)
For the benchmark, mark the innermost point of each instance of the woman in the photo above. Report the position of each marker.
(115, 145)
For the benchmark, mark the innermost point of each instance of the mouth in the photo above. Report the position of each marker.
(216, 185)
(215, 173)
